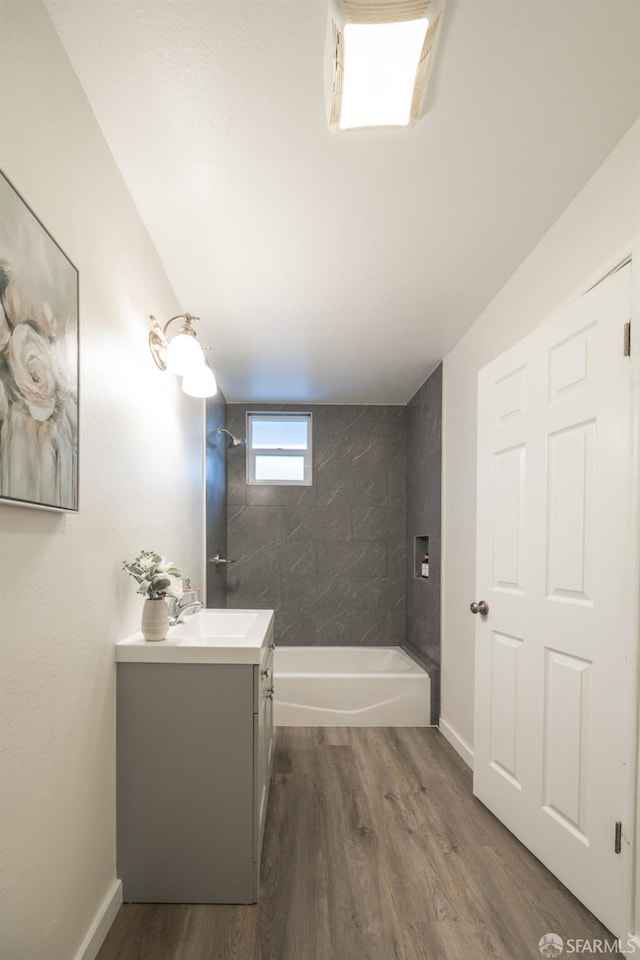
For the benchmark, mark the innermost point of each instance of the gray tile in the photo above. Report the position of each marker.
(396, 446)
(277, 495)
(357, 629)
(424, 428)
(252, 591)
(262, 407)
(299, 523)
(380, 594)
(378, 523)
(370, 449)
(237, 419)
(317, 523)
(339, 419)
(360, 420)
(333, 629)
(236, 490)
(368, 629)
(369, 484)
(366, 559)
(396, 558)
(254, 523)
(252, 558)
(216, 502)
(298, 558)
(396, 628)
(397, 483)
(332, 483)
(293, 629)
(315, 594)
(333, 523)
(391, 420)
(236, 460)
(336, 451)
(396, 594)
(236, 480)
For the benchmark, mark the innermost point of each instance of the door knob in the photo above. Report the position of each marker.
(481, 607)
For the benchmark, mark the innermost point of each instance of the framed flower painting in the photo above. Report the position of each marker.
(38, 362)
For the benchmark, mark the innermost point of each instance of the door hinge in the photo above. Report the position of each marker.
(618, 838)
(627, 339)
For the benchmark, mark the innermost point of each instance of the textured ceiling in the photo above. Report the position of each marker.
(342, 267)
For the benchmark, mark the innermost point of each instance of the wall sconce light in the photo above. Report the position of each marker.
(182, 354)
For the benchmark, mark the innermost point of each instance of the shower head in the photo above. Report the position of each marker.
(232, 442)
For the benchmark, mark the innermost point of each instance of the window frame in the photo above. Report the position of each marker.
(253, 416)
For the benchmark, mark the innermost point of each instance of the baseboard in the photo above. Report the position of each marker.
(101, 923)
(456, 741)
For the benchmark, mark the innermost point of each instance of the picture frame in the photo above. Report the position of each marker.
(39, 362)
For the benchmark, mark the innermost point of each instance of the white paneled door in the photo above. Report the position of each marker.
(555, 653)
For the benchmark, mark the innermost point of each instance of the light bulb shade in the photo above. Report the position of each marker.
(184, 353)
(200, 382)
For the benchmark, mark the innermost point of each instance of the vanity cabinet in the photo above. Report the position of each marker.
(194, 757)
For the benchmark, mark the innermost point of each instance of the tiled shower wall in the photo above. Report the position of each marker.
(216, 493)
(424, 457)
(330, 559)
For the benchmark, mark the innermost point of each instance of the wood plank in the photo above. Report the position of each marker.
(375, 849)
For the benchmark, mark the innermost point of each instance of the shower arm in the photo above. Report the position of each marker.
(233, 440)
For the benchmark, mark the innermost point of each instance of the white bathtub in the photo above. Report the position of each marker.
(349, 687)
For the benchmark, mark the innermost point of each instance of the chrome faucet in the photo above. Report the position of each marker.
(177, 610)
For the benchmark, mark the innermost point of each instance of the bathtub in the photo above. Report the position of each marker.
(349, 687)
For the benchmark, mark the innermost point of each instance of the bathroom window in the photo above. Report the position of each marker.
(279, 448)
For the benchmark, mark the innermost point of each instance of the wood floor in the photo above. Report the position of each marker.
(375, 849)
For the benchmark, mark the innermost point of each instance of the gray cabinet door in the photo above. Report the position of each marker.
(185, 782)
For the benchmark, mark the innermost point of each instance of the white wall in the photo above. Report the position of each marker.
(600, 224)
(64, 600)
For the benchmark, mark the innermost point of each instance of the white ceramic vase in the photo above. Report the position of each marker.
(155, 620)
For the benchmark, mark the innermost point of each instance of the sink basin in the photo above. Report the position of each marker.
(216, 623)
(208, 636)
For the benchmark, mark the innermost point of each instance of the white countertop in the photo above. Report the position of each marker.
(208, 636)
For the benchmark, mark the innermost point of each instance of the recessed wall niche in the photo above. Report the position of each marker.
(421, 557)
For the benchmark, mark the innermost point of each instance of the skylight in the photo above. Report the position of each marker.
(380, 67)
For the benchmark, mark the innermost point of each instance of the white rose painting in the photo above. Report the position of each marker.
(38, 362)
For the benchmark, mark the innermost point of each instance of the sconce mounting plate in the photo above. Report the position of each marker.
(158, 344)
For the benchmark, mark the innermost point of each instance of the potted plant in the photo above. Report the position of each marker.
(158, 578)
